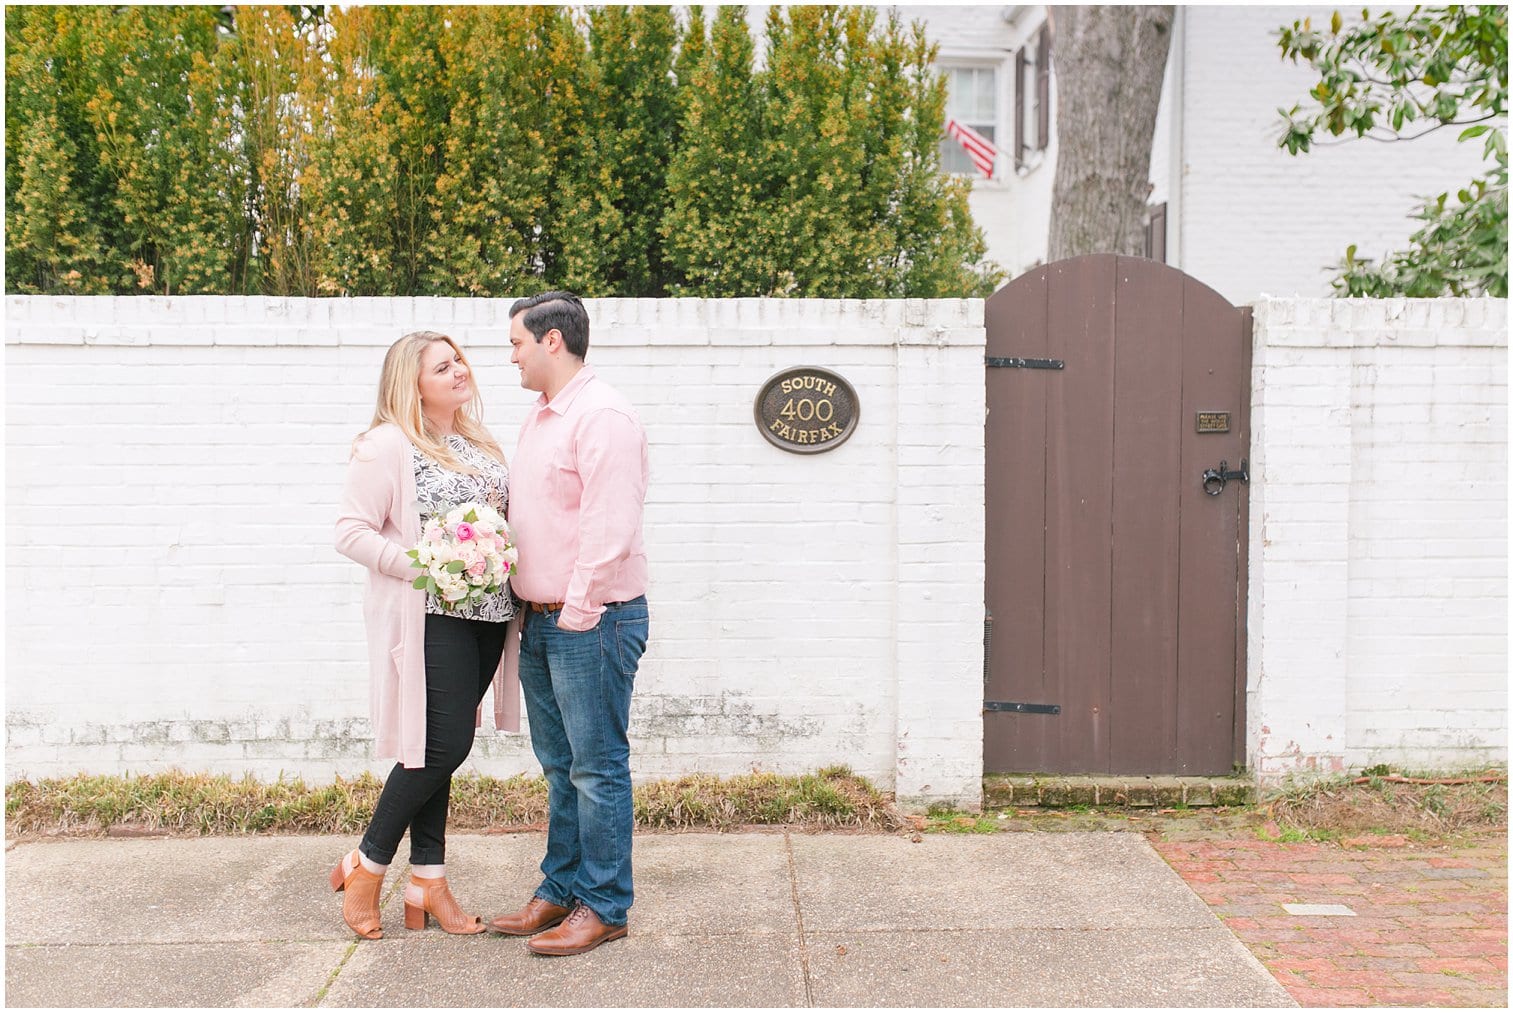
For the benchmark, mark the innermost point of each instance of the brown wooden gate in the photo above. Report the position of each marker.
(1115, 579)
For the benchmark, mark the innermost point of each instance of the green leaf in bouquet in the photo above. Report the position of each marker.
(456, 566)
(421, 583)
(431, 584)
(472, 517)
(413, 553)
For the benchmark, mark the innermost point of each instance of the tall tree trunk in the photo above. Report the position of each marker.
(1109, 62)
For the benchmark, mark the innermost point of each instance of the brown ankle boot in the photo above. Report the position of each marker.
(359, 908)
(432, 898)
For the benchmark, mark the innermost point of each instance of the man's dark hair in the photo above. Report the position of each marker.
(561, 311)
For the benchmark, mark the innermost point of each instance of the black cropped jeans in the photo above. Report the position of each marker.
(461, 658)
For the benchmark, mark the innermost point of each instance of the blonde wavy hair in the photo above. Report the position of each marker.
(399, 403)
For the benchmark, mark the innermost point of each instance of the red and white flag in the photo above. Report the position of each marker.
(979, 149)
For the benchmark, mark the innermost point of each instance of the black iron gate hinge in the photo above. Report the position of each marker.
(1021, 708)
(1018, 363)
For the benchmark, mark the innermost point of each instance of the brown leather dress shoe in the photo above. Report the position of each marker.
(537, 914)
(581, 932)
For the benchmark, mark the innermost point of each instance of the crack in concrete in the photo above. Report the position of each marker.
(798, 914)
(321, 993)
(324, 990)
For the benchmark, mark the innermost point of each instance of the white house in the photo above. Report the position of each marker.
(1237, 212)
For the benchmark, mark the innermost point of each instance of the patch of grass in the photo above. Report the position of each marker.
(218, 804)
(962, 824)
(176, 802)
(1338, 807)
(1297, 835)
(479, 802)
(833, 797)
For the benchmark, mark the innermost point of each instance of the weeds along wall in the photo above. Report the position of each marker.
(174, 599)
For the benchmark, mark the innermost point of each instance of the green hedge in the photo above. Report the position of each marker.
(625, 151)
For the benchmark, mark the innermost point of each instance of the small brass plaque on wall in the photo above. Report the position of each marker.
(807, 410)
(1213, 422)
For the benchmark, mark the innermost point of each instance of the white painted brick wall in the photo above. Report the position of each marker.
(1378, 543)
(806, 610)
(173, 470)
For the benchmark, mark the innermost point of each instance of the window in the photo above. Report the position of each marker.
(972, 99)
(1032, 97)
(1155, 233)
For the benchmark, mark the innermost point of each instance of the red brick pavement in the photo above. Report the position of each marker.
(1431, 925)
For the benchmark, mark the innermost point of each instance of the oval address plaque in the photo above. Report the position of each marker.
(807, 410)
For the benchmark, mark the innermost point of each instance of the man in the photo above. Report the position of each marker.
(577, 485)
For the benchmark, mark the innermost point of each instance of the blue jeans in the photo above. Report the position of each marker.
(577, 695)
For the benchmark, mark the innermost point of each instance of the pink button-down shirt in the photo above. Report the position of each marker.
(577, 484)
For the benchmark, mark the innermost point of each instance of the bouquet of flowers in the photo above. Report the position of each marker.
(464, 554)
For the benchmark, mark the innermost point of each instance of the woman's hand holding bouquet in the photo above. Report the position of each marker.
(464, 554)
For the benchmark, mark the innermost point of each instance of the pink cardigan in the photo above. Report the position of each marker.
(379, 522)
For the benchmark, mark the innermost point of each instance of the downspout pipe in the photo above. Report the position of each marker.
(1176, 169)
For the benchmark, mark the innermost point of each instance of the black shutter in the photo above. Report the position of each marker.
(1019, 97)
(1043, 89)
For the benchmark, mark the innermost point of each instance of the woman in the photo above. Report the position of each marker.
(426, 451)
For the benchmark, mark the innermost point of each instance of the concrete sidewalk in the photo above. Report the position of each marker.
(774, 919)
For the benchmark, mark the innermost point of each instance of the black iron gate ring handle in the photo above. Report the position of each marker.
(1214, 479)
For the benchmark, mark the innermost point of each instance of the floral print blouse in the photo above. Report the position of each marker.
(438, 489)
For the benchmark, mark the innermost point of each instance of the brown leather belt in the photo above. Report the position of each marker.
(556, 606)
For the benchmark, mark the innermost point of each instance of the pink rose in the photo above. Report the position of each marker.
(464, 532)
(478, 568)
